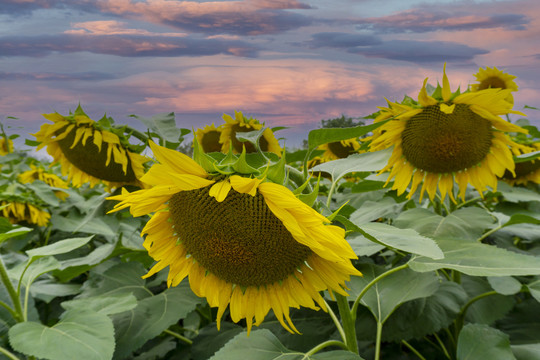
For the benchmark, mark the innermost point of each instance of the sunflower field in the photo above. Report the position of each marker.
(413, 233)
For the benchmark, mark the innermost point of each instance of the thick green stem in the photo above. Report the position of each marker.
(378, 341)
(347, 320)
(325, 344)
(12, 293)
(373, 282)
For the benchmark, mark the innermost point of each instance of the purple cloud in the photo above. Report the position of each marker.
(86, 76)
(129, 46)
(420, 51)
(342, 40)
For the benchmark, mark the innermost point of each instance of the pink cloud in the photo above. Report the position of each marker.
(112, 27)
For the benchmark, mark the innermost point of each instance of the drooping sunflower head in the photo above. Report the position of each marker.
(209, 138)
(493, 78)
(87, 152)
(243, 241)
(38, 173)
(21, 211)
(525, 171)
(6, 146)
(240, 124)
(447, 137)
(339, 149)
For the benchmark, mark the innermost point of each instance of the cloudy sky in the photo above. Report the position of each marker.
(285, 62)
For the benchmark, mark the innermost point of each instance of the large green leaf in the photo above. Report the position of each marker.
(327, 135)
(486, 310)
(402, 239)
(390, 292)
(91, 225)
(263, 345)
(504, 285)
(362, 246)
(522, 324)
(164, 124)
(477, 341)
(107, 305)
(373, 210)
(478, 259)
(95, 257)
(79, 334)
(17, 231)
(151, 316)
(59, 247)
(517, 194)
(465, 223)
(526, 352)
(370, 161)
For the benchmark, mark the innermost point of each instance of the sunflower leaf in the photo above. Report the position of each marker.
(86, 333)
(477, 341)
(327, 135)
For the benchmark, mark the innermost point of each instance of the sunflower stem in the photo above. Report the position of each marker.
(331, 192)
(8, 354)
(470, 201)
(413, 349)
(18, 315)
(348, 322)
(178, 336)
(325, 344)
(488, 233)
(461, 316)
(336, 321)
(378, 341)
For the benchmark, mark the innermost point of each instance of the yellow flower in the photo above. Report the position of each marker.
(50, 179)
(457, 138)
(209, 138)
(17, 212)
(339, 149)
(5, 147)
(527, 171)
(490, 78)
(87, 153)
(243, 242)
(240, 124)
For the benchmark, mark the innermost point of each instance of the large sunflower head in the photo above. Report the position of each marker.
(209, 138)
(6, 146)
(87, 152)
(240, 124)
(38, 173)
(21, 211)
(447, 137)
(244, 242)
(493, 78)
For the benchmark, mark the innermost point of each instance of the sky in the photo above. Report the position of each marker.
(287, 63)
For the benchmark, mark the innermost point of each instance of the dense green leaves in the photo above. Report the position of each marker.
(88, 334)
(478, 341)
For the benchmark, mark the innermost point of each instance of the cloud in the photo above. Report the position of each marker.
(446, 19)
(242, 17)
(342, 40)
(420, 51)
(49, 76)
(112, 27)
(129, 46)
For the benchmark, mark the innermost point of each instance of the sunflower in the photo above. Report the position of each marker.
(209, 138)
(526, 171)
(6, 146)
(50, 179)
(457, 137)
(240, 124)
(339, 149)
(17, 212)
(88, 153)
(490, 78)
(243, 242)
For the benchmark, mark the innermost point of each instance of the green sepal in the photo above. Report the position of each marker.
(242, 166)
(309, 199)
(301, 188)
(206, 161)
(276, 171)
(336, 213)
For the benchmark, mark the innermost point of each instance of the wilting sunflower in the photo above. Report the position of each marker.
(243, 242)
(457, 137)
(339, 149)
(267, 142)
(493, 78)
(87, 152)
(17, 212)
(209, 138)
(50, 179)
(6, 147)
(526, 171)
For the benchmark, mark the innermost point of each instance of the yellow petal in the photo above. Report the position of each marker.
(220, 190)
